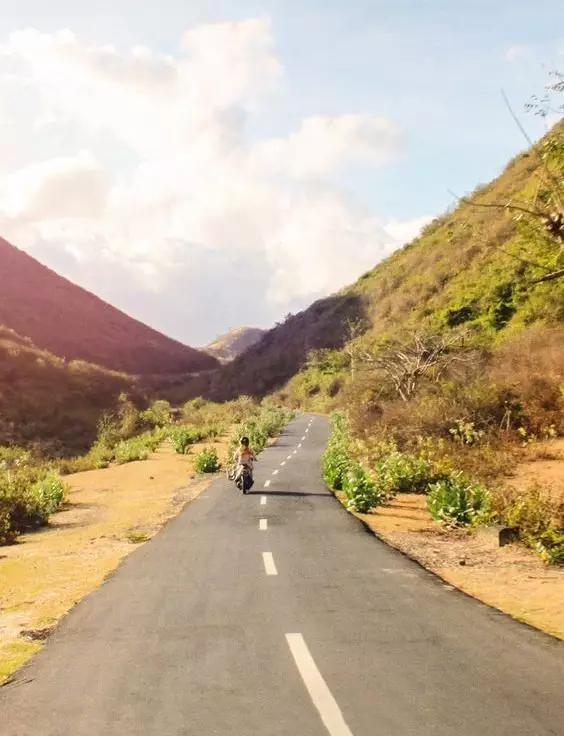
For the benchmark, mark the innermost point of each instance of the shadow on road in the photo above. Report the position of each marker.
(289, 493)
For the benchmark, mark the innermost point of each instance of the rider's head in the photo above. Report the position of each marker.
(245, 441)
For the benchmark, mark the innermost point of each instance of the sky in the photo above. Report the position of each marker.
(206, 165)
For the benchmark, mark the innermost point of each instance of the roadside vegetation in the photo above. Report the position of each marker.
(371, 472)
(32, 485)
(455, 372)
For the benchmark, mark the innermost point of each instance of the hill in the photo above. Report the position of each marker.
(74, 324)
(229, 346)
(48, 400)
(476, 266)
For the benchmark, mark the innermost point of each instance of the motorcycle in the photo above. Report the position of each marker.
(243, 477)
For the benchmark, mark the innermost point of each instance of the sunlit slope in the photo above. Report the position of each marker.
(475, 266)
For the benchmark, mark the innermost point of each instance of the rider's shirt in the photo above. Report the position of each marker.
(245, 457)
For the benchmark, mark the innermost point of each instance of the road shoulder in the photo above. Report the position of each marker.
(510, 578)
(109, 513)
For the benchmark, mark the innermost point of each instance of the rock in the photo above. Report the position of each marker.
(497, 535)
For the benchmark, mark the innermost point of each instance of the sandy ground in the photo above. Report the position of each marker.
(107, 514)
(510, 578)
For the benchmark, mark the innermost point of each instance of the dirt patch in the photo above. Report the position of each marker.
(511, 578)
(544, 465)
(108, 514)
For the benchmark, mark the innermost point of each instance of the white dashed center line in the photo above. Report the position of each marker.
(300, 444)
(269, 566)
(303, 438)
(317, 687)
(289, 457)
(295, 452)
(274, 472)
(283, 462)
(266, 483)
(263, 500)
(263, 525)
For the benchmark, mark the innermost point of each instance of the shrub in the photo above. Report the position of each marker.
(399, 472)
(128, 417)
(456, 501)
(531, 510)
(100, 456)
(159, 414)
(183, 437)
(361, 490)
(336, 458)
(50, 492)
(14, 457)
(129, 450)
(108, 433)
(466, 432)
(537, 515)
(550, 546)
(27, 497)
(267, 423)
(207, 461)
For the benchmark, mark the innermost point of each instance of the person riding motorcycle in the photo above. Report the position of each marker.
(244, 458)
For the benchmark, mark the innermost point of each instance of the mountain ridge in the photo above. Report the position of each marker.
(233, 343)
(476, 265)
(75, 324)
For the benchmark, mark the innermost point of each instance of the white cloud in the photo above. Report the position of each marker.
(58, 188)
(517, 51)
(150, 191)
(403, 231)
(323, 145)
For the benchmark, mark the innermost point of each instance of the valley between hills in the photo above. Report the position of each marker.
(441, 370)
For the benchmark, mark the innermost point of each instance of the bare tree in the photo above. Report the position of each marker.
(545, 208)
(423, 356)
(355, 328)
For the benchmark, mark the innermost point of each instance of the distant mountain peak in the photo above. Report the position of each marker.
(233, 343)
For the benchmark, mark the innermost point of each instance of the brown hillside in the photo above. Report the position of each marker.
(467, 266)
(233, 343)
(283, 350)
(45, 399)
(74, 324)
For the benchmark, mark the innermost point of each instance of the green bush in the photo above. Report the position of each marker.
(537, 516)
(50, 492)
(550, 546)
(336, 458)
(399, 472)
(361, 490)
(207, 461)
(531, 510)
(129, 450)
(183, 437)
(14, 457)
(27, 497)
(159, 414)
(100, 456)
(456, 501)
(267, 423)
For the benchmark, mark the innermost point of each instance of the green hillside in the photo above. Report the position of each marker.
(476, 267)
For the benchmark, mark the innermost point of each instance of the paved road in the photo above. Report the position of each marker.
(310, 626)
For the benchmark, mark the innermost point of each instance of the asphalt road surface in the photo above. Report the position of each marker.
(277, 614)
